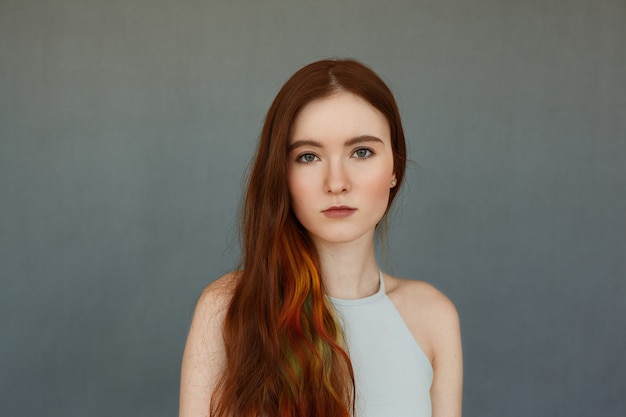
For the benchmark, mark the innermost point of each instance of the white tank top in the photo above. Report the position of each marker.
(392, 373)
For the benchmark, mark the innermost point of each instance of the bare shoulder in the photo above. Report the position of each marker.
(434, 322)
(208, 318)
(431, 317)
(216, 296)
(420, 295)
(205, 355)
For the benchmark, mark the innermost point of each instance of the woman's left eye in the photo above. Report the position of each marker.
(363, 153)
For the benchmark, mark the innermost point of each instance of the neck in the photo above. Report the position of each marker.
(349, 270)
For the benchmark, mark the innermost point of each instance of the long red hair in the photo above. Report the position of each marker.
(284, 346)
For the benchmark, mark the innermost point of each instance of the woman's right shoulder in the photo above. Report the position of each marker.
(215, 298)
(210, 311)
(204, 357)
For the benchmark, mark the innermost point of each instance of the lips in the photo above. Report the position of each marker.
(338, 212)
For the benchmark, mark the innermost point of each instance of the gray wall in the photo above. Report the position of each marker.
(126, 126)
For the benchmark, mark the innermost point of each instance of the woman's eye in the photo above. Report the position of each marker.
(307, 157)
(363, 153)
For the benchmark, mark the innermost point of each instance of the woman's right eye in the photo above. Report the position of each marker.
(307, 158)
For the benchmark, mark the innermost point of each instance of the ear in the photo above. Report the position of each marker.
(393, 181)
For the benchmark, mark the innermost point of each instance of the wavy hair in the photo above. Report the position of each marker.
(285, 354)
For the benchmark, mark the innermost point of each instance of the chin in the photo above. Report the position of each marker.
(342, 238)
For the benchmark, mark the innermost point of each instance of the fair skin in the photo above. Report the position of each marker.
(340, 173)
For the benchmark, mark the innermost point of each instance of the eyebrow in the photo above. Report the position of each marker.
(351, 142)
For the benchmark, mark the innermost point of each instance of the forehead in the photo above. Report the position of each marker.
(341, 116)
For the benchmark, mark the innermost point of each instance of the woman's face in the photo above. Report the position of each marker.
(340, 168)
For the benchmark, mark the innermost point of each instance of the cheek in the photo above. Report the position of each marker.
(379, 192)
(378, 182)
(376, 189)
(299, 191)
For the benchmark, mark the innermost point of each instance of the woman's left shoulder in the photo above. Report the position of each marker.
(421, 295)
(430, 316)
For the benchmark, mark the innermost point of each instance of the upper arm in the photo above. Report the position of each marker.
(204, 355)
(447, 388)
(434, 322)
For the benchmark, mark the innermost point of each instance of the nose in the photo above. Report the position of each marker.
(337, 178)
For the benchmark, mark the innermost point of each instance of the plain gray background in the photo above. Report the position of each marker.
(126, 127)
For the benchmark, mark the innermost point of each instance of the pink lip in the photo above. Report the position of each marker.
(338, 212)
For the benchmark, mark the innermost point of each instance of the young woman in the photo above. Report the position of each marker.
(309, 326)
